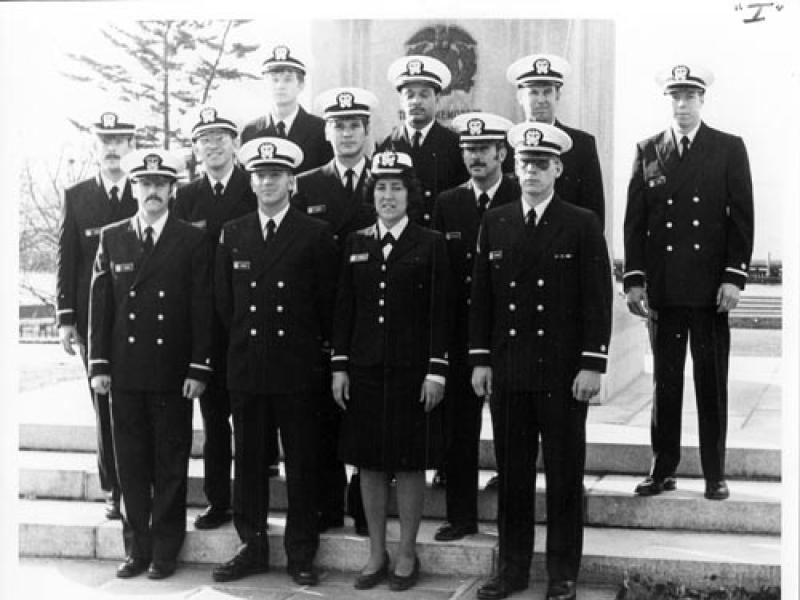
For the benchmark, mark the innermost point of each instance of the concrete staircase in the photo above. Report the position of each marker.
(678, 536)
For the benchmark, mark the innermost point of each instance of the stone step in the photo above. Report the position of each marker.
(754, 506)
(52, 528)
(610, 449)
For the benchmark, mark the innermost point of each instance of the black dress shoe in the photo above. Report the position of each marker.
(248, 561)
(112, 506)
(652, 486)
(303, 574)
(493, 482)
(212, 517)
(500, 586)
(328, 522)
(562, 590)
(132, 567)
(367, 581)
(717, 490)
(439, 479)
(161, 569)
(449, 532)
(399, 583)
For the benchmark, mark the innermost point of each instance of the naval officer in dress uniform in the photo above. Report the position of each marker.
(285, 75)
(688, 242)
(539, 79)
(150, 341)
(336, 193)
(389, 363)
(88, 206)
(419, 80)
(457, 215)
(223, 193)
(540, 323)
(274, 284)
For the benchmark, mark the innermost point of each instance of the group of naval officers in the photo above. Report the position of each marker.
(357, 305)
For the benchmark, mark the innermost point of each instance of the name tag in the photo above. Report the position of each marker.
(199, 224)
(496, 255)
(656, 181)
(92, 232)
(241, 265)
(357, 258)
(317, 209)
(564, 256)
(123, 267)
(452, 235)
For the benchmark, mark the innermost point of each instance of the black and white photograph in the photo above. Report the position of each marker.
(424, 300)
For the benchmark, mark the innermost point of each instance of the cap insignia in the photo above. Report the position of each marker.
(387, 159)
(680, 73)
(533, 137)
(475, 126)
(267, 150)
(280, 53)
(152, 162)
(208, 115)
(542, 66)
(108, 120)
(345, 100)
(414, 67)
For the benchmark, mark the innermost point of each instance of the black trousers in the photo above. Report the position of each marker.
(518, 421)
(152, 441)
(331, 474)
(254, 417)
(215, 406)
(106, 464)
(708, 336)
(462, 427)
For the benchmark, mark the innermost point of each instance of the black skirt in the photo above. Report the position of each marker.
(385, 427)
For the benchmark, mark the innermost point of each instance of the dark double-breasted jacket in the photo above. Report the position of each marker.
(438, 165)
(150, 314)
(392, 312)
(457, 217)
(541, 298)
(581, 182)
(276, 302)
(195, 203)
(86, 209)
(307, 131)
(320, 194)
(688, 222)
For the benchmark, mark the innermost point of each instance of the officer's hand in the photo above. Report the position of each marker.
(68, 335)
(586, 385)
(340, 386)
(637, 301)
(192, 388)
(431, 394)
(727, 297)
(482, 381)
(101, 383)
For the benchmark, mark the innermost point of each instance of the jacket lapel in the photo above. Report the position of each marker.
(682, 170)
(161, 251)
(404, 244)
(284, 237)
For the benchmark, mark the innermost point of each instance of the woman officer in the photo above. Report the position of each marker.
(389, 363)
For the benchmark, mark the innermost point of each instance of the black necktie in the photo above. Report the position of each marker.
(417, 141)
(114, 194)
(147, 243)
(387, 240)
(349, 181)
(483, 202)
(530, 220)
(684, 146)
(281, 127)
(270, 235)
(218, 189)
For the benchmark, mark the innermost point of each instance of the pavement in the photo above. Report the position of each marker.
(95, 579)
